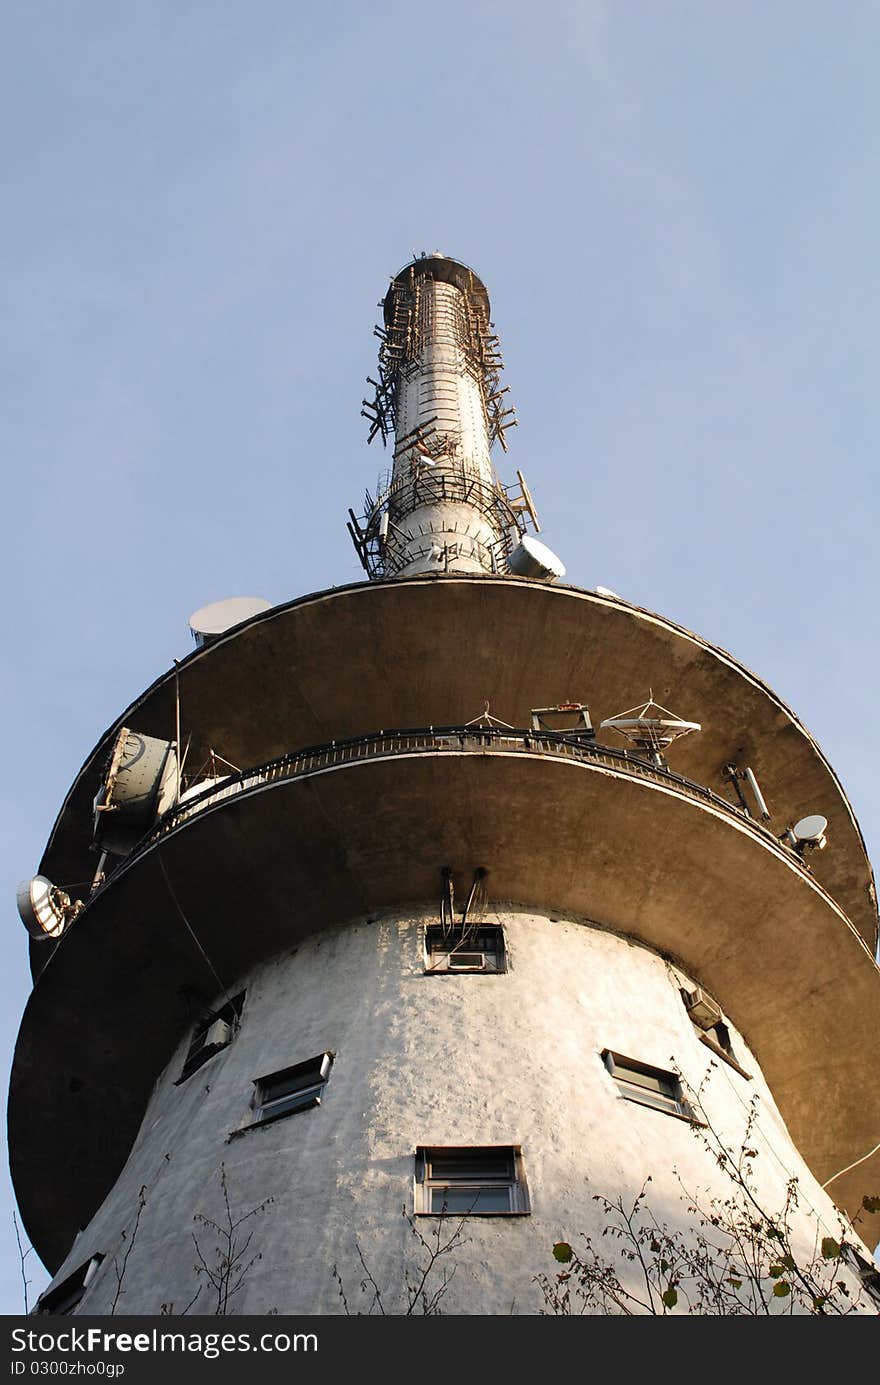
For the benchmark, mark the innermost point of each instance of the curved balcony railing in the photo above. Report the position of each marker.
(434, 739)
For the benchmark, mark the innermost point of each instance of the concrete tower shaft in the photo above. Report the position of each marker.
(441, 387)
(440, 507)
(381, 953)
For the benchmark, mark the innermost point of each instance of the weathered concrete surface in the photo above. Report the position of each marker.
(266, 869)
(512, 1059)
(431, 651)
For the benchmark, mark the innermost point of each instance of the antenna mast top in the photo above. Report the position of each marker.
(440, 507)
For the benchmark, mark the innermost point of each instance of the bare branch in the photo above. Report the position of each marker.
(22, 1256)
(119, 1269)
(226, 1267)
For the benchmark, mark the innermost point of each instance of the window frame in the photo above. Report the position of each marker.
(465, 943)
(671, 1103)
(864, 1269)
(199, 1053)
(61, 1301)
(715, 1036)
(726, 1055)
(426, 1185)
(297, 1099)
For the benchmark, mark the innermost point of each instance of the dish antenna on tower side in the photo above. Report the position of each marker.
(808, 834)
(45, 910)
(650, 727)
(531, 558)
(209, 622)
(139, 785)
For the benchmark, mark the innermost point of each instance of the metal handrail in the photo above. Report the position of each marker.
(431, 739)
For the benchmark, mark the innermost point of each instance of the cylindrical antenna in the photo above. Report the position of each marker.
(756, 794)
(440, 508)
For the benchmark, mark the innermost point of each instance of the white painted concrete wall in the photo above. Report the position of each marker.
(426, 1059)
(439, 384)
(445, 536)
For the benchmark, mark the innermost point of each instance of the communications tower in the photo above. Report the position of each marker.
(456, 890)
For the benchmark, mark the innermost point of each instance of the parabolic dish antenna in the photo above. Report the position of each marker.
(43, 909)
(215, 619)
(139, 785)
(650, 727)
(811, 829)
(531, 558)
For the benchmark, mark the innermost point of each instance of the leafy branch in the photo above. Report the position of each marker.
(734, 1257)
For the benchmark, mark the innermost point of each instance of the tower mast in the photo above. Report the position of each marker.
(439, 400)
(381, 951)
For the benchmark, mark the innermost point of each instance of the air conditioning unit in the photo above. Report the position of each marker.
(702, 1009)
(218, 1035)
(466, 961)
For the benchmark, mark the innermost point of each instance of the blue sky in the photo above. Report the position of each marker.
(674, 206)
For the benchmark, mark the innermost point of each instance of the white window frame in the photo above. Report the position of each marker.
(426, 1186)
(440, 961)
(299, 1098)
(666, 1096)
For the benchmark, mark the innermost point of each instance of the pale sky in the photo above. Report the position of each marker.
(675, 208)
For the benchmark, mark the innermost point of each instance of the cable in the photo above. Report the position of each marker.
(176, 902)
(854, 1165)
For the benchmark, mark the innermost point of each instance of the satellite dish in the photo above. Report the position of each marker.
(531, 558)
(45, 910)
(810, 831)
(211, 621)
(650, 727)
(811, 828)
(140, 783)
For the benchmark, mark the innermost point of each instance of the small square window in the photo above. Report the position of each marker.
(483, 1181)
(215, 1031)
(293, 1089)
(61, 1301)
(478, 948)
(648, 1086)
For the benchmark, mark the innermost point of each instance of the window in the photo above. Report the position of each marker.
(293, 1089)
(649, 1086)
(484, 1181)
(865, 1269)
(61, 1301)
(477, 948)
(215, 1031)
(711, 1029)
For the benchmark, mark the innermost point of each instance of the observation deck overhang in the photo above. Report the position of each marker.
(632, 852)
(431, 651)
